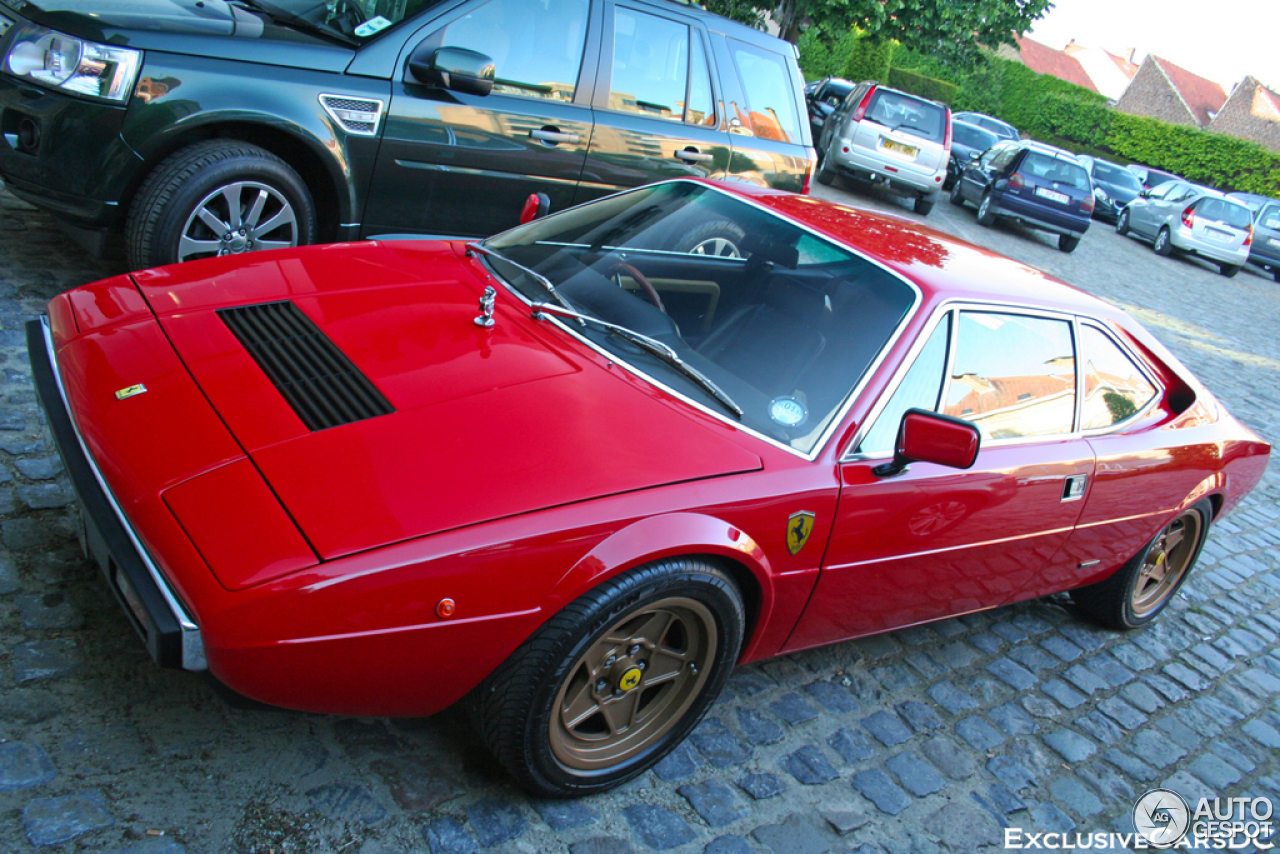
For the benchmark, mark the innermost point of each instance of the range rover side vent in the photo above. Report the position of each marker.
(358, 116)
(312, 374)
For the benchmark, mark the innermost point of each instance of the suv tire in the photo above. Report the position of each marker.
(718, 237)
(957, 195)
(924, 205)
(171, 217)
(826, 175)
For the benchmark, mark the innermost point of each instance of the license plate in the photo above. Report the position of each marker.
(1220, 236)
(1054, 195)
(890, 145)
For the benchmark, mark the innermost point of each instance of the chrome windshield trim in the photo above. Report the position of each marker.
(193, 657)
(841, 413)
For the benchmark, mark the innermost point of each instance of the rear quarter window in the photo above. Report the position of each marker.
(771, 110)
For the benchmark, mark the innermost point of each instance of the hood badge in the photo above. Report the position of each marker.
(486, 308)
(130, 391)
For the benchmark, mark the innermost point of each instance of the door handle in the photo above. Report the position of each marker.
(691, 155)
(1073, 490)
(554, 136)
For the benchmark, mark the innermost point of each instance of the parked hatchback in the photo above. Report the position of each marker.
(214, 128)
(1182, 217)
(884, 136)
(1038, 185)
(1113, 187)
(1264, 252)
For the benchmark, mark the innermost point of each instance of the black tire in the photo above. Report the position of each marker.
(1229, 270)
(826, 175)
(1130, 597)
(957, 195)
(208, 175)
(1068, 243)
(925, 205)
(519, 709)
(1163, 244)
(718, 237)
(1122, 223)
(986, 216)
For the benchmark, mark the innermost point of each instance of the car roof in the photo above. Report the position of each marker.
(942, 266)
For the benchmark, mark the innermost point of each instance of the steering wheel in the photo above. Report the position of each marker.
(624, 267)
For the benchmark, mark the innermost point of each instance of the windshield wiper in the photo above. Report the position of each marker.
(284, 16)
(653, 345)
(480, 249)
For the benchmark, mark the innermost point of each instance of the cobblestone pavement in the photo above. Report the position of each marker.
(923, 740)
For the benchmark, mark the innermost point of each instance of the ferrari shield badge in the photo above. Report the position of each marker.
(799, 527)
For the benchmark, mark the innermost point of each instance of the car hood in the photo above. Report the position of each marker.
(212, 28)
(484, 423)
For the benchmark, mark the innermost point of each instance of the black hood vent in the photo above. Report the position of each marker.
(313, 375)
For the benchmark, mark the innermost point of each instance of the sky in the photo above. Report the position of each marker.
(1222, 40)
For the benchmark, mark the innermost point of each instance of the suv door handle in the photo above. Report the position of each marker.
(554, 136)
(692, 155)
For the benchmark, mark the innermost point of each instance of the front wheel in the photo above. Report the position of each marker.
(718, 237)
(826, 175)
(218, 197)
(1163, 244)
(1148, 582)
(957, 194)
(611, 684)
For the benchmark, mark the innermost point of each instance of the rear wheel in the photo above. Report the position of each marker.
(1163, 245)
(612, 683)
(219, 197)
(924, 205)
(1068, 243)
(1229, 270)
(986, 216)
(718, 237)
(1148, 582)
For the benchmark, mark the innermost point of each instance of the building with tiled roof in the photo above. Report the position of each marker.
(1162, 90)
(1252, 112)
(1109, 73)
(1043, 59)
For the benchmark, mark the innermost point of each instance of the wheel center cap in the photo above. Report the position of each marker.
(238, 243)
(630, 678)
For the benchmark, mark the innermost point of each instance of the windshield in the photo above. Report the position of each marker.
(1116, 175)
(1057, 170)
(358, 21)
(972, 136)
(784, 321)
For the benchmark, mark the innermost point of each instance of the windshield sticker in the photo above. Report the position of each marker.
(788, 412)
(373, 25)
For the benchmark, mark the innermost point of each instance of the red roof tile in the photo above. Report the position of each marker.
(1202, 96)
(1123, 64)
(1045, 60)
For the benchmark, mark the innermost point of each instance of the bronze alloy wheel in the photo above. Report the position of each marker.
(633, 684)
(1167, 561)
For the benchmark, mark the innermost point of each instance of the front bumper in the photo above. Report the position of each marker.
(169, 633)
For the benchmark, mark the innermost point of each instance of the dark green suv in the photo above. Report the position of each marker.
(205, 127)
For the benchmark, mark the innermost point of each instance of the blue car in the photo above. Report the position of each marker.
(1040, 186)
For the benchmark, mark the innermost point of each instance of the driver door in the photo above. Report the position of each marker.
(934, 541)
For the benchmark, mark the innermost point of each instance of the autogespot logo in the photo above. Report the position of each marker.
(1162, 816)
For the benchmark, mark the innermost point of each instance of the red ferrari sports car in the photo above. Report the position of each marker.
(575, 473)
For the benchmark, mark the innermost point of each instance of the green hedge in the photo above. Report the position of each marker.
(926, 87)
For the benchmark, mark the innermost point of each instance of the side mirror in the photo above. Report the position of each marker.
(535, 207)
(455, 68)
(929, 437)
(1146, 193)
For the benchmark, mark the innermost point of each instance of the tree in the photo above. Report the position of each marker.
(949, 29)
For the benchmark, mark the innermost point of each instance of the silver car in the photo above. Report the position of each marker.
(1179, 216)
(881, 135)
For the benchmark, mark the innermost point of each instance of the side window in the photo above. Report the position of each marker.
(1013, 375)
(536, 48)
(651, 65)
(701, 110)
(770, 111)
(919, 389)
(1114, 388)
(1270, 217)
